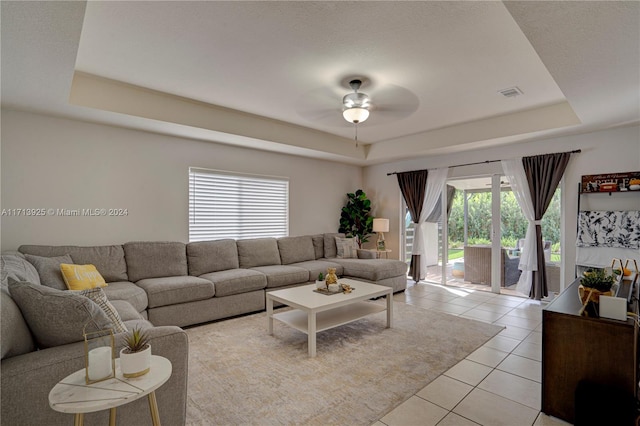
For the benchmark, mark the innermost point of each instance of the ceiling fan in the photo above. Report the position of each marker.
(327, 106)
(356, 105)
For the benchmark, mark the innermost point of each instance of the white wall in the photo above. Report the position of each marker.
(50, 162)
(610, 151)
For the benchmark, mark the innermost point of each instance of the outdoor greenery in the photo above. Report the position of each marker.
(513, 227)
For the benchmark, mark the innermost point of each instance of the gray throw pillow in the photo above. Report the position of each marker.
(347, 248)
(56, 317)
(49, 269)
(98, 296)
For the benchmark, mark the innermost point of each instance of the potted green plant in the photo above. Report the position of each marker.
(320, 284)
(355, 219)
(594, 283)
(135, 356)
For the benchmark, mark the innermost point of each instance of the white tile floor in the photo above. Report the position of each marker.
(498, 384)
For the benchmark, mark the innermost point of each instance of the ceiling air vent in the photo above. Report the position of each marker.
(510, 92)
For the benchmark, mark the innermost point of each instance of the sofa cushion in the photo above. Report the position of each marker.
(212, 256)
(281, 275)
(127, 291)
(15, 337)
(126, 310)
(16, 266)
(372, 269)
(330, 249)
(109, 260)
(316, 266)
(57, 317)
(296, 249)
(347, 248)
(155, 259)
(173, 290)
(81, 277)
(49, 269)
(140, 323)
(100, 298)
(235, 281)
(318, 245)
(258, 252)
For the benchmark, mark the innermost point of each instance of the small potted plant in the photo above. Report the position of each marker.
(320, 284)
(595, 283)
(135, 356)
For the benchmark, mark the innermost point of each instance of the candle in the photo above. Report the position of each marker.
(100, 363)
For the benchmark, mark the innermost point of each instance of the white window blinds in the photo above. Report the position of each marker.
(225, 205)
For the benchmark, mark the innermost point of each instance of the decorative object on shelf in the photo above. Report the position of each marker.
(609, 229)
(334, 288)
(626, 270)
(611, 182)
(380, 225)
(595, 283)
(99, 355)
(332, 278)
(346, 288)
(355, 220)
(135, 357)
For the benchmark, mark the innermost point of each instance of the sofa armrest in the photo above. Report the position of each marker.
(34, 374)
(366, 254)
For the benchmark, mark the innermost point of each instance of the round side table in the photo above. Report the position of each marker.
(73, 395)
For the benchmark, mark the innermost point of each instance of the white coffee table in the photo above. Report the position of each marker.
(316, 312)
(73, 395)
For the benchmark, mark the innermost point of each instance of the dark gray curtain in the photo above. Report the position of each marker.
(413, 186)
(544, 173)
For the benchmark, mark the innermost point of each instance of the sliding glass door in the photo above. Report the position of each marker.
(482, 242)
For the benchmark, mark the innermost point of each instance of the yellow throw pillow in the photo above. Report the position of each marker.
(81, 277)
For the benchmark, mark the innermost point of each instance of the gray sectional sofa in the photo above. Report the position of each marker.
(162, 286)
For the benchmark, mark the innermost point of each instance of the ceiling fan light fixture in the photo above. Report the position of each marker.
(355, 115)
(356, 105)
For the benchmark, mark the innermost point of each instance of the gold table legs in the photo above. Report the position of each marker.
(78, 420)
(153, 406)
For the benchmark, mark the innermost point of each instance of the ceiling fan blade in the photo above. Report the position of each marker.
(321, 106)
(394, 101)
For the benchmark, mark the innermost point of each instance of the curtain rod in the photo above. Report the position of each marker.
(575, 151)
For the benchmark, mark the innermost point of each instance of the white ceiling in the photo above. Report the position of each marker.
(271, 75)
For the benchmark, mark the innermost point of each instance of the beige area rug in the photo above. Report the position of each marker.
(239, 375)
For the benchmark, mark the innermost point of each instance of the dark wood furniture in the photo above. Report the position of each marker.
(576, 348)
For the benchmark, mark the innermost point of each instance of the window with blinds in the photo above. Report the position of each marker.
(226, 205)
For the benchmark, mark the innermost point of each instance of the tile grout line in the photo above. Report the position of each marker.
(511, 352)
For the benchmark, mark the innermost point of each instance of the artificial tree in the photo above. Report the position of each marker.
(355, 220)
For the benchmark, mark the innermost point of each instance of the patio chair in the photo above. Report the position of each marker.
(477, 266)
(547, 248)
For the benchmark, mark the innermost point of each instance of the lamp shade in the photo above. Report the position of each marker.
(355, 115)
(380, 225)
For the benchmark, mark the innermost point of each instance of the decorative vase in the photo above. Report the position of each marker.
(321, 285)
(592, 294)
(135, 364)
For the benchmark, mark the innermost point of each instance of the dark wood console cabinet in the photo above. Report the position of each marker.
(575, 347)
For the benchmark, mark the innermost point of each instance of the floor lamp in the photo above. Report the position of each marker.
(380, 226)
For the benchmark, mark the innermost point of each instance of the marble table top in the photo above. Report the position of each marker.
(73, 395)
